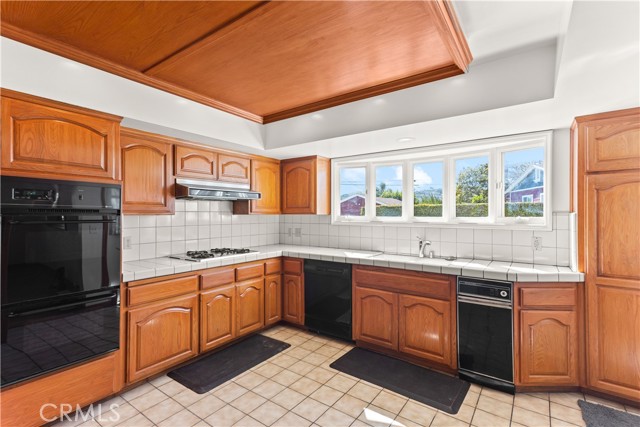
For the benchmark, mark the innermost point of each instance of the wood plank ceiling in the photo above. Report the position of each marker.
(264, 61)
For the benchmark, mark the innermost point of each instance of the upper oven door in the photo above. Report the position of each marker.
(53, 256)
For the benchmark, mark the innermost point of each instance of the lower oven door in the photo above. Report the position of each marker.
(37, 338)
(485, 339)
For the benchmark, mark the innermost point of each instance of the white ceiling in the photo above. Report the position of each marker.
(537, 65)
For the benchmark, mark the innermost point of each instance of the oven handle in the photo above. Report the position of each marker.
(488, 303)
(57, 307)
(70, 221)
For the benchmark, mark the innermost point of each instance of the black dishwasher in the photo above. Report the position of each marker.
(327, 298)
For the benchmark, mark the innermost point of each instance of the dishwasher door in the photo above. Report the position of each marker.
(327, 298)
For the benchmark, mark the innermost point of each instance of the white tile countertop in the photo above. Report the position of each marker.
(498, 270)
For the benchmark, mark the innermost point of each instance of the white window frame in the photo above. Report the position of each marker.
(445, 196)
(494, 148)
(529, 198)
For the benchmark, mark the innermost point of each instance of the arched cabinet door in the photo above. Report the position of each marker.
(146, 174)
(52, 140)
(376, 317)
(233, 168)
(299, 187)
(293, 299)
(161, 335)
(613, 283)
(425, 328)
(191, 162)
(265, 179)
(272, 299)
(217, 317)
(250, 305)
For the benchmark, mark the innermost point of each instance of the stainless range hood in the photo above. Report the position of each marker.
(192, 189)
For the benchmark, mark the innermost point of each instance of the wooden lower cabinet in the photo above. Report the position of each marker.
(249, 306)
(217, 317)
(61, 392)
(293, 299)
(161, 335)
(548, 348)
(547, 331)
(425, 328)
(272, 299)
(376, 317)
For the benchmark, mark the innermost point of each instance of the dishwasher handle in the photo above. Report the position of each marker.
(327, 270)
(484, 302)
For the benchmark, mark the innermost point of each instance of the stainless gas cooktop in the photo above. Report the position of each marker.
(199, 256)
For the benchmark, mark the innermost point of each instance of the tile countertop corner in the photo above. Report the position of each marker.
(497, 270)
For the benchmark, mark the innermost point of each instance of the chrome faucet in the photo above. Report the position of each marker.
(422, 245)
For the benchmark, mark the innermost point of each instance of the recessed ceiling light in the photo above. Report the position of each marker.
(72, 65)
(406, 139)
(316, 116)
(379, 101)
(182, 101)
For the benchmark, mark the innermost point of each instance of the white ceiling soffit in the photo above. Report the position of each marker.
(598, 71)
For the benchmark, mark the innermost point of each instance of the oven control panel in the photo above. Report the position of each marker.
(32, 194)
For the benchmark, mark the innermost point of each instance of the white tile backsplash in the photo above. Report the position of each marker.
(197, 225)
(204, 225)
(485, 244)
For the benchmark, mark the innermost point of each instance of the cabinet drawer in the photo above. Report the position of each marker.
(272, 266)
(161, 290)
(249, 271)
(217, 277)
(548, 297)
(426, 284)
(293, 266)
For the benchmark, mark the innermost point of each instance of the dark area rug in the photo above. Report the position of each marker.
(595, 415)
(209, 372)
(424, 385)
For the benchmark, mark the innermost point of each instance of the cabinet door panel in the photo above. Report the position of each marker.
(293, 299)
(299, 187)
(161, 335)
(376, 317)
(233, 169)
(39, 140)
(425, 328)
(217, 317)
(195, 163)
(613, 283)
(548, 347)
(265, 178)
(250, 306)
(273, 299)
(146, 174)
(613, 144)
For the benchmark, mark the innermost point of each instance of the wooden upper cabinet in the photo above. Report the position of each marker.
(375, 317)
(306, 186)
(425, 328)
(48, 139)
(161, 335)
(611, 140)
(147, 180)
(191, 162)
(234, 168)
(265, 179)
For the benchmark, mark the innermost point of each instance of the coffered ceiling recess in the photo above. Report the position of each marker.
(264, 61)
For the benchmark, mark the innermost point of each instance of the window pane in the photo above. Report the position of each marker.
(389, 190)
(524, 182)
(472, 187)
(427, 189)
(353, 190)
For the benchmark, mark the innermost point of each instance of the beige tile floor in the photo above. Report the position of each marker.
(297, 388)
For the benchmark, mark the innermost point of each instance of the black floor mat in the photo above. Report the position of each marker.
(429, 387)
(209, 372)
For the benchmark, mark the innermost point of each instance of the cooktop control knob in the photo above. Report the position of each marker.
(503, 294)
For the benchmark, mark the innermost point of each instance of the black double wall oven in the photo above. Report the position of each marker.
(60, 301)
